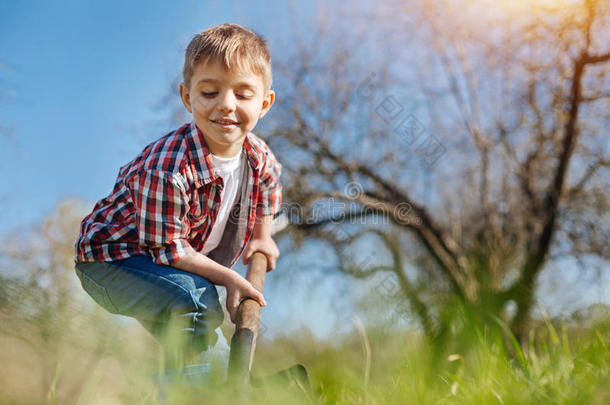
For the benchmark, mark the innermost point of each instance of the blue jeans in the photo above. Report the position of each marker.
(165, 300)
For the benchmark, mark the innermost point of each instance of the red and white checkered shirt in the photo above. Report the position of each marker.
(166, 200)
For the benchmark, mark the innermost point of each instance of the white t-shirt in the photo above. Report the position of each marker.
(230, 170)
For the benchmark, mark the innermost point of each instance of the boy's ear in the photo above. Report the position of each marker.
(185, 95)
(268, 101)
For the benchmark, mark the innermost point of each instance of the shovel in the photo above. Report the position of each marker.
(243, 342)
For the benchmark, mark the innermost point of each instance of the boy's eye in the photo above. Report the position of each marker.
(212, 94)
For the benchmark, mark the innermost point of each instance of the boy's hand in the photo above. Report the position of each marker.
(238, 289)
(266, 246)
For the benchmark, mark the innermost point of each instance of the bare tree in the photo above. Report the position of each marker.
(513, 150)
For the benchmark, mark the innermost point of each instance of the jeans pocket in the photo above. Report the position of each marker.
(97, 291)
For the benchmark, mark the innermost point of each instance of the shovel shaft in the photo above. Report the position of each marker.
(247, 323)
(249, 311)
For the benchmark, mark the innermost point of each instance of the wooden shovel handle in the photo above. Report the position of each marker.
(247, 323)
(249, 311)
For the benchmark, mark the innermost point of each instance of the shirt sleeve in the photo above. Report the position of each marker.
(161, 205)
(270, 193)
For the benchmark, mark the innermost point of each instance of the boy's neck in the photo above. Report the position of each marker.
(224, 151)
(226, 154)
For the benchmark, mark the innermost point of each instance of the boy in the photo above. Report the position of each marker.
(183, 211)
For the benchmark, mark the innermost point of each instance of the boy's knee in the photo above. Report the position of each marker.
(203, 316)
(207, 302)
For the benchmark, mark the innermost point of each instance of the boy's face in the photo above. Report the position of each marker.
(225, 105)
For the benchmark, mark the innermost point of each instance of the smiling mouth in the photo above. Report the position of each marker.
(225, 122)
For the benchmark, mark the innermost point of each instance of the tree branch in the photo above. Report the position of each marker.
(533, 264)
(594, 59)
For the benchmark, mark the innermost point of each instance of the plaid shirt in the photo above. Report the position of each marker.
(166, 200)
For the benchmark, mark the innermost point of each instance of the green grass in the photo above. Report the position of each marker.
(88, 357)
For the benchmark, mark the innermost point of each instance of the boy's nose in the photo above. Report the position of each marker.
(226, 103)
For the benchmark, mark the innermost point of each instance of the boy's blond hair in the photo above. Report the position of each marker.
(235, 47)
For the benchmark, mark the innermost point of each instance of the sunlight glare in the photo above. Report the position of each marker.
(524, 5)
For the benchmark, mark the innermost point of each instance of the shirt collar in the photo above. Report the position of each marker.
(202, 156)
